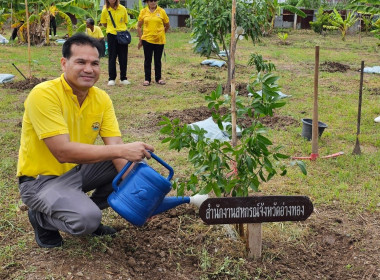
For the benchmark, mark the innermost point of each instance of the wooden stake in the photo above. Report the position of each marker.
(314, 139)
(27, 30)
(254, 240)
(360, 28)
(232, 73)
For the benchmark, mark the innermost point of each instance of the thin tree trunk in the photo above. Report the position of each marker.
(232, 73)
(28, 34)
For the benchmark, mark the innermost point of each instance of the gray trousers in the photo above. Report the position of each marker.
(61, 202)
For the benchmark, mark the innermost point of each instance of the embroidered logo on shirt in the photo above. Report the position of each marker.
(158, 14)
(95, 126)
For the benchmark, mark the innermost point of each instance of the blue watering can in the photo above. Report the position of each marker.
(141, 194)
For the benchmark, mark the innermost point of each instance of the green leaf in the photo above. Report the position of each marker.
(281, 156)
(302, 166)
(217, 190)
(166, 129)
(165, 140)
(207, 189)
(264, 140)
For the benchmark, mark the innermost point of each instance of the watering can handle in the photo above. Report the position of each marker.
(129, 163)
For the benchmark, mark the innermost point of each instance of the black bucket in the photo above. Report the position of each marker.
(307, 125)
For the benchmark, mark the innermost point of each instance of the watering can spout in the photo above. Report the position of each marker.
(174, 201)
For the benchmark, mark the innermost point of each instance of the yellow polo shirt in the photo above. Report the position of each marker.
(53, 10)
(97, 33)
(153, 28)
(52, 109)
(120, 17)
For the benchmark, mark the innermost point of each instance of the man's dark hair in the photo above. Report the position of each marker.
(90, 21)
(79, 39)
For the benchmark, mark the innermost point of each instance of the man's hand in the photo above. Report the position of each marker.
(139, 45)
(136, 151)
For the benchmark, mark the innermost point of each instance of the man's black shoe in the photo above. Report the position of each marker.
(45, 238)
(104, 230)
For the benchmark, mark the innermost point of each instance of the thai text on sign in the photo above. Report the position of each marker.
(255, 209)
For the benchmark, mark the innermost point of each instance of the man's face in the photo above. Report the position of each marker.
(82, 69)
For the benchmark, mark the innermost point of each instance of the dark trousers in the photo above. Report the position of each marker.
(53, 25)
(149, 51)
(103, 49)
(115, 50)
(14, 33)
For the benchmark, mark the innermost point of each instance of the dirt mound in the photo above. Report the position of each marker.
(188, 116)
(374, 91)
(240, 87)
(330, 66)
(29, 83)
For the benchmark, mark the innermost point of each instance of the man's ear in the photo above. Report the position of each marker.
(63, 63)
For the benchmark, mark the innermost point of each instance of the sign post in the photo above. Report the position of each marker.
(253, 211)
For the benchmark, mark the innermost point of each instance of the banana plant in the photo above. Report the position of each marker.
(3, 17)
(38, 31)
(82, 9)
(283, 37)
(275, 8)
(376, 32)
(371, 7)
(338, 23)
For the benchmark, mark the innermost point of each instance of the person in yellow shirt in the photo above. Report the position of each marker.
(153, 23)
(94, 31)
(53, 24)
(58, 160)
(115, 50)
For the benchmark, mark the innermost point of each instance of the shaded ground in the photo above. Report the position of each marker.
(336, 245)
(331, 66)
(28, 83)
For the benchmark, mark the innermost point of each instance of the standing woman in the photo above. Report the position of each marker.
(155, 23)
(53, 24)
(120, 17)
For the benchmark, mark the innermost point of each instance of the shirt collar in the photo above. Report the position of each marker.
(68, 90)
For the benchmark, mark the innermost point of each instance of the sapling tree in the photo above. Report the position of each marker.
(224, 169)
(261, 64)
(211, 23)
(322, 19)
(283, 37)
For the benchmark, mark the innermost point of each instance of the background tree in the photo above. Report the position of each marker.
(211, 23)
(337, 22)
(322, 19)
(275, 8)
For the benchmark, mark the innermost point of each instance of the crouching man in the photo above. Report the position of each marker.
(58, 160)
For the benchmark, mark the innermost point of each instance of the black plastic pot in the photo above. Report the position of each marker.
(307, 125)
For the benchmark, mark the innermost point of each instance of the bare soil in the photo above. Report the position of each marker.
(192, 115)
(27, 83)
(337, 246)
(331, 66)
